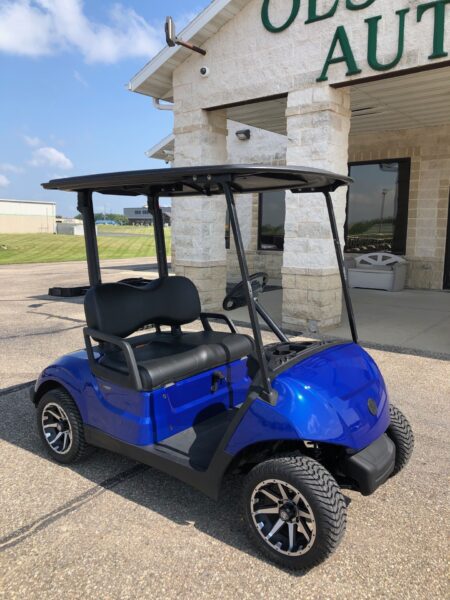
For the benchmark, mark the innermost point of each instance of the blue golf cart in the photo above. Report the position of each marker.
(300, 419)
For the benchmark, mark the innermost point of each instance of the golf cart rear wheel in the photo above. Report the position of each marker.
(61, 428)
(402, 435)
(294, 511)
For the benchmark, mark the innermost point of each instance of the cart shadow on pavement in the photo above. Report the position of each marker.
(47, 299)
(135, 482)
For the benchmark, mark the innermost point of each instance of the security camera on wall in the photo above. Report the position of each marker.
(204, 71)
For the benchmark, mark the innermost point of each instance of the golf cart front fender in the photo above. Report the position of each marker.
(337, 396)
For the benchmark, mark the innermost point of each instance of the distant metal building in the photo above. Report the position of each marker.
(70, 228)
(141, 216)
(26, 216)
(138, 216)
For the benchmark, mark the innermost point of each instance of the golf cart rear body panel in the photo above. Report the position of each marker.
(144, 417)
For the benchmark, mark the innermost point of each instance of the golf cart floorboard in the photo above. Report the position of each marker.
(197, 444)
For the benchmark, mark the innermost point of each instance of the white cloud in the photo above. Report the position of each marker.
(4, 181)
(48, 156)
(24, 28)
(32, 141)
(9, 168)
(43, 27)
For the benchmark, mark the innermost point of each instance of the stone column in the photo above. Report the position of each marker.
(318, 124)
(198, 223)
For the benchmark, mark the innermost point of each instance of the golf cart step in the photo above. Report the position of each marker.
(197, 444)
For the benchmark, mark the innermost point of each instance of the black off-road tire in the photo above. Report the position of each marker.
(78, 449)
(321, 492)
(402, 435)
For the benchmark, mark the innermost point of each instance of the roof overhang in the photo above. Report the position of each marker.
(155, 79)
(404, 100)
(163, 150)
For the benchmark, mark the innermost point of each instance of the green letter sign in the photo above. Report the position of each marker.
(312, 12)
(266, 19)
(439, 25)
(352, 6)
(373, 41)
(340, 37)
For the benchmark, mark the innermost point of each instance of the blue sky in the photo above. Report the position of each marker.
(64, 106)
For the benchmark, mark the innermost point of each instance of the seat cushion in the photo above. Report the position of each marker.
(165, 358)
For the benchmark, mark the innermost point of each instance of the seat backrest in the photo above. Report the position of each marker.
(121, 309)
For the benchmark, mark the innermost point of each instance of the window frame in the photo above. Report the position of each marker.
(401, 221)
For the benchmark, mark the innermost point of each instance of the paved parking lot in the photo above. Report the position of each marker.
(109, 528)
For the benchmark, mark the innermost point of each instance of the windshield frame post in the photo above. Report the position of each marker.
(160, 238)
(86, 208)
(267, 393)
(271, 323)
(341, 265)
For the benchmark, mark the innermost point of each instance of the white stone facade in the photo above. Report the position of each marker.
(246, 61)
(198, 223)
(318, 125)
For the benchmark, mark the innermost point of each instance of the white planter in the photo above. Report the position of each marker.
(378, 271)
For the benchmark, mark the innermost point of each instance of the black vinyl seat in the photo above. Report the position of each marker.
(119, 309)
(165, 358)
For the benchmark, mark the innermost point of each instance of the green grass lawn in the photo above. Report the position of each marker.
(44, 247)
(135, 229)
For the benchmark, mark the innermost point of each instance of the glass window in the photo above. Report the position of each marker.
(272, 212)
(377, 207)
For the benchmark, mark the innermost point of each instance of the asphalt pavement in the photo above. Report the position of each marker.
(110, 528)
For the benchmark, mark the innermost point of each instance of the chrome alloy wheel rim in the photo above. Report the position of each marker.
(283, 517)
(57, 428)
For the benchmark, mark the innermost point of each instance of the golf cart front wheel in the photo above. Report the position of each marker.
(402, 435)
(294, 511)
(61, 428)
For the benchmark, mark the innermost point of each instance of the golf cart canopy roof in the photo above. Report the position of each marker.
(192, 181)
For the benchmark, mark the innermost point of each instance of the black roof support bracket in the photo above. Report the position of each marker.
(158, 226)
(341, 265)
(86, 208)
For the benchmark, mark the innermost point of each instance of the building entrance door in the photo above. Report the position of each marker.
(447, 251)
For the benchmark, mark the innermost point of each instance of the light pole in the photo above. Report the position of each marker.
(383, 200)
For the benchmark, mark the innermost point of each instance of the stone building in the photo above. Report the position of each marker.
(359, 86)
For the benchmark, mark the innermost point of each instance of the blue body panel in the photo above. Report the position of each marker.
(142, 418)
(322, 398)
(178, 407)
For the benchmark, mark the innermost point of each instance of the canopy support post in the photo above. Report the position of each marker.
(158, 226)
(86, 208)
(340, 260)
(267, 393)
